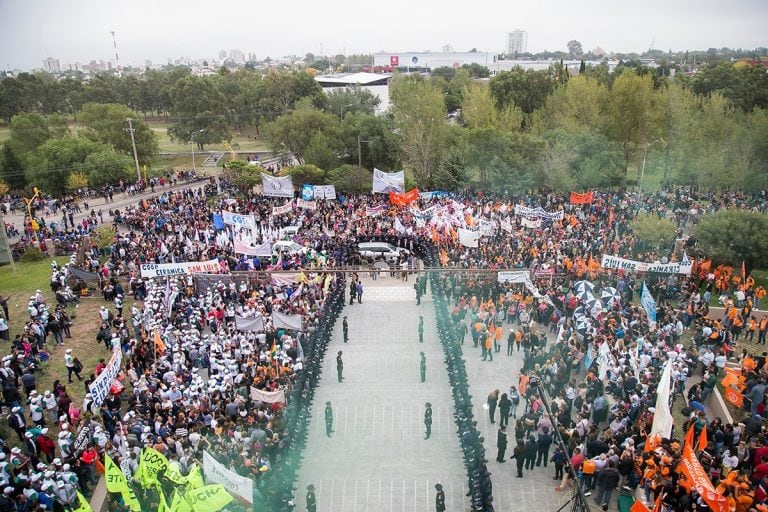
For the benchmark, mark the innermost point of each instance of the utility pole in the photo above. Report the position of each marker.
(359, 153)
(133, 143)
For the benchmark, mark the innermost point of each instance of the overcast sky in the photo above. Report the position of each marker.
(78, 30)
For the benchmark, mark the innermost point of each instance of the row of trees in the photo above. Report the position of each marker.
(519, 130)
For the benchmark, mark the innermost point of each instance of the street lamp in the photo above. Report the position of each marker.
(341, 116)
(193, 142)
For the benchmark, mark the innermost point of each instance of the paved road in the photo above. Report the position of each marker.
(378, 460)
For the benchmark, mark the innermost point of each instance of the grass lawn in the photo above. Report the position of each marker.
(5, 133)
(241, 141)
(85, 321)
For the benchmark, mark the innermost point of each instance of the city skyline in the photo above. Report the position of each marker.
(79, 31)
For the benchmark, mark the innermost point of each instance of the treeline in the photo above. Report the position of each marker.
(519, 130)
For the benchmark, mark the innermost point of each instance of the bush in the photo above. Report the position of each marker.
(32, 254)
(733, 236)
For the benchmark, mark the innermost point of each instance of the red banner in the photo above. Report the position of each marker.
(585, 198)
(697, 478)
(404, 199)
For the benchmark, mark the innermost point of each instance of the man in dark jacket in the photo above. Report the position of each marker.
(543, 444)
(607, 481)
(501, 443)
(531, 448)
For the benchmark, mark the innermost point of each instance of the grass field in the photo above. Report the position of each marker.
(85, 321)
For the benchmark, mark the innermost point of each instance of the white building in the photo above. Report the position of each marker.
(517, 42)
(51, 65)
(376, 84)
(429, 60)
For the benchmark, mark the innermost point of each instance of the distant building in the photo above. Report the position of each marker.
(222, 54)
(376, 84)
(237, 56)
(428, 60)
(517, 42)
(51, 65)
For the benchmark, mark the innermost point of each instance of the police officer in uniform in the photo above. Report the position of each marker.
(421, 329)
(311, 499)
(428, 420)
(339, 366)
(328, 419)
(423, 367)
(439, 498)
(345, 328)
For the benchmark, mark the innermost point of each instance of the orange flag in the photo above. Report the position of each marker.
(581, 198)
(638, 506)
(734, 397)
(689, 436)
(657, 505)
(699, 480)
(702, 440)
(159, 345)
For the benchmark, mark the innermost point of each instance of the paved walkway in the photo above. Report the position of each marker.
(377, 460)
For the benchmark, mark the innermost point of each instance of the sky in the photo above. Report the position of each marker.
(79, 30)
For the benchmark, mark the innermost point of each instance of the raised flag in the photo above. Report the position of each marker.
(209, 498)
(662, 418)
(384, 182)
(649, 303)
(116, 482)
(581, 198)
(404, 199)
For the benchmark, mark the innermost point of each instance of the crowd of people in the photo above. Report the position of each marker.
(227, 363)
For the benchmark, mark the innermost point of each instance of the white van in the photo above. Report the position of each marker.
(376, 251)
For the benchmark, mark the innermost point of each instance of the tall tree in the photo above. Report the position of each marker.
(575, 49)
(479, 110)
(200, 111)
(419, 113)
(107, 123)
(578, 106)
(296, 131)
(346, 100)
(526, 89)
(12, 169)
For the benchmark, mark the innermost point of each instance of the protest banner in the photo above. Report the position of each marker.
(235, 484)
(614, 262)
(175, 269)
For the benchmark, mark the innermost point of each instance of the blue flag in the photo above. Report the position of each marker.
(308, 192)
(218, 221)
(648, 302)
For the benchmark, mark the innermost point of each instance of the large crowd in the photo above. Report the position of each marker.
(208, 360)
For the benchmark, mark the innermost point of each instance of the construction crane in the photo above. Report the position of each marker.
(117, 57)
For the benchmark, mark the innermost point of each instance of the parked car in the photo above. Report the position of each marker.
(288, 246)
(377, 251)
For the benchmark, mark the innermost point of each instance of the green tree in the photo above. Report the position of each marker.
(479, 111)
(200, 111)
(295, 131)
(106, 123)
(106, 167)
(347, 100)
(53, 161)
(305, 174)
(745, 86)
(733, 236)
(578, 106)
(419, 113)
(757, 130)
(525, 89)
(378, 143)
(12, 169)
(244, 175)
(656, 233)
(350, 179)
(27, 132)
(634, 116)
(476, 70)
(575, 49)
(503, 162)
(76, 181)
(452, 172)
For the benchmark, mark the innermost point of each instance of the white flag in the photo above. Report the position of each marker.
(468, 238)
(385, 182)
(277, 186)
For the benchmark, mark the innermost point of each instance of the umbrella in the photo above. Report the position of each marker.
(582, 286)
(595, 308)
(609, 295)
(579, 311)
(585, 296)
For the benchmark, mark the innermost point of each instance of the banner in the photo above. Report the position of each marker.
(209, 498)
(435, 194)
(307, 205)
(99, 388)
(585, 198)
(264, 249)
(268, 397)
(515, 277)
(286, 208)
(614, 262)
(116, 482)
(255, 324)
(325, 191)
(284, 321)
(151, 464)
(179, 503)
(698, 479)
(649, 303)
(218, 222)
(468, 238)
(384, 182)
(530, 223)
(218, 473)
(307, 192)
(376, 210)
(235, 219)
(537, 213)
(82, 274)
(662, 418)
(277, 186)
(174, 269)
(83, 504)
(403, 199)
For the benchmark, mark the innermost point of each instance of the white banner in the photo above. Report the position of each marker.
(235, 219)
(682, 267)
(264, 249)
(268, 397)
(280, 186)
(308, 205)
(255, 323)
(284, 321)
(99, 388)
(662, 418)
(384, 182)
(325, 192)
(218, 473)
(509, 276)
(174, 269)
(286, 208)
(530, 223)
(537, 213)
(468, 238)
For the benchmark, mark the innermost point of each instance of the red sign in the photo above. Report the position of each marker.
(394, 60)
